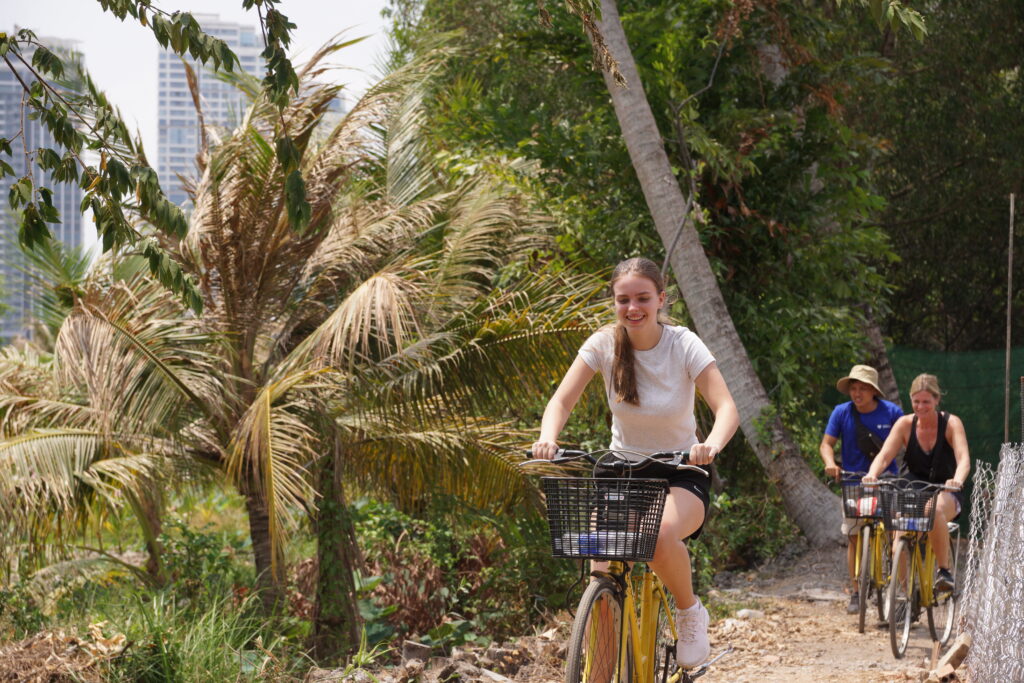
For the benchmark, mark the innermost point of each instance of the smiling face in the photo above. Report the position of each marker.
(862, 395)
(637, 300)
(924, 403)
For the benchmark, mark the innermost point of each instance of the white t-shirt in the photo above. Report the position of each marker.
(665, 377)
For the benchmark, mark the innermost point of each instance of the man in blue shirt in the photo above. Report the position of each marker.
(878, 416)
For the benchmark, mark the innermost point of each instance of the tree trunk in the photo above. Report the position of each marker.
(336, 614)
(808, 501)
(879, 359)
(267, 582)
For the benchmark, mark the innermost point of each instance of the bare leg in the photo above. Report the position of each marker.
(851, 560)
(684, 513)
(939, 535)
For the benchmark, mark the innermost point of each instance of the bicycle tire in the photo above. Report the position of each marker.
(882, 585)
(665, 644)
(901, 596)
(593, 643)
(941, 617)
(864, 576)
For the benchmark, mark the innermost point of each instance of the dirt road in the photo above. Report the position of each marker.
(785, 621)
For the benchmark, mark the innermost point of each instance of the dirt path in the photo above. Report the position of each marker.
(799, 632)
(805, 633)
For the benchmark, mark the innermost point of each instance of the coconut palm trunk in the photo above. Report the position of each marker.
(809, 503)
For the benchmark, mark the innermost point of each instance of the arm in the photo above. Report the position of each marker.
(896, 440)
(560, 406)
(957, 436)
(712, 387)
(827, 450)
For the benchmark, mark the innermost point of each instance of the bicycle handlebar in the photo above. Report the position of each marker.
(619, 462)
(899, 482)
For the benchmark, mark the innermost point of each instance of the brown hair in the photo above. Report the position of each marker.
(624, 364)
(926, 382)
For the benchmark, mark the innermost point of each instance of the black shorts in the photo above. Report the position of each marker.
(695, 483)
(959, 495)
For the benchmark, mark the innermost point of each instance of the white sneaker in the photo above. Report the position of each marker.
(693, 647)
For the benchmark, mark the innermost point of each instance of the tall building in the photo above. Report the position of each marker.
(16, 288)
(223, 105)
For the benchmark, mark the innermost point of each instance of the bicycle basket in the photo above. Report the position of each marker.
(907, 509)
(860, 502)
(604, 519)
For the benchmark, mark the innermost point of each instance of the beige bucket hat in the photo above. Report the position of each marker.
(861, 373)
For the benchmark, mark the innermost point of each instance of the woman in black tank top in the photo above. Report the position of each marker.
(936, 452)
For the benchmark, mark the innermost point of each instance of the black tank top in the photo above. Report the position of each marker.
(936, 466)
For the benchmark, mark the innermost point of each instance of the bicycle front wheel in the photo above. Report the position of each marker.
(665, 645)
(901, 593)
(941, 616)
(882, 580)
(594, 643)
(864, 578)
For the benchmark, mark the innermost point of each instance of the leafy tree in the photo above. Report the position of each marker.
(948, 113)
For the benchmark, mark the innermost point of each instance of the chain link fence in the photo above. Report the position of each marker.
(992, 601)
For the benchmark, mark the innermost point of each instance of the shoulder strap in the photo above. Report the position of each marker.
(864, 431)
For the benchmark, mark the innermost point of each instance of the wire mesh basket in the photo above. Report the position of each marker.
(859, 501)
(604, 519)
(907, 508)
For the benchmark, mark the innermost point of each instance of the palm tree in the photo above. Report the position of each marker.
(808, 501)
(362, 348)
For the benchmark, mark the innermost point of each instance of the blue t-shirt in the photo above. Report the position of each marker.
(842, 426)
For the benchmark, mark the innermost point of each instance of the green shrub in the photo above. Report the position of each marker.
(20, 614)
(456, 575)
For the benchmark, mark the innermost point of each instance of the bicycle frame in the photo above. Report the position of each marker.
(875, 566)
(642, 596)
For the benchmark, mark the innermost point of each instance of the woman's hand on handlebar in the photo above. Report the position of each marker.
(544, 450)
(703, 453)
(869, 479)
(954, 484)
(832, 471)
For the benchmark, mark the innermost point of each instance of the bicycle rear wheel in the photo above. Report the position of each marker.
(864, 578)
(593, 654)
(901, 593)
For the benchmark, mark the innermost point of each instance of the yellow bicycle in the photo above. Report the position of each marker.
(873, 556)
(909, 509)
(624, 626)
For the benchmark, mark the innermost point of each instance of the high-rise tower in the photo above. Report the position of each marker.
(222, 104)
(15, 286)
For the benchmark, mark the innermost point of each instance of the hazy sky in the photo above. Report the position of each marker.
(122, 57)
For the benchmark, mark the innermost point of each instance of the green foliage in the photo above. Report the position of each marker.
(222, 640)
(456, 576)
(947, 115)
(20, 612)
(202, 565)
(740, 531)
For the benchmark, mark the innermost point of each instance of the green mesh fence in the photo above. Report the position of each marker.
(974, 386)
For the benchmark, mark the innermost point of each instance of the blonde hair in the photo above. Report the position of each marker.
(624, 363)
(926, 382)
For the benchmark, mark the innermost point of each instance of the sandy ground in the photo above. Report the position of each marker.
(800, 632)
(806, 634)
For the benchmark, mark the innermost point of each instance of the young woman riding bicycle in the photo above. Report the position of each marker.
(651, 370)
(936, 452)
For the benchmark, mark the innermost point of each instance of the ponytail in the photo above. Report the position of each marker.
(624, 369)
